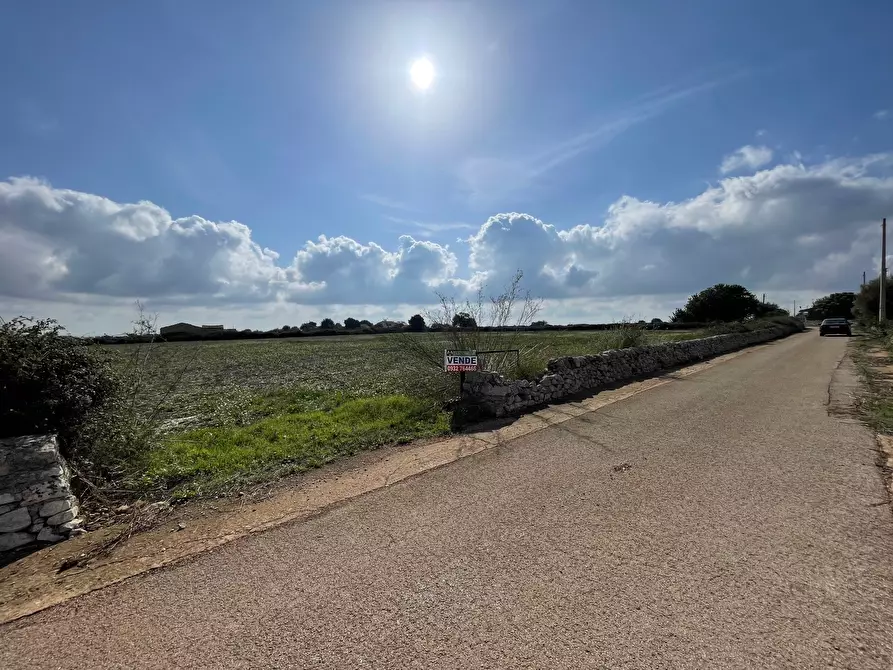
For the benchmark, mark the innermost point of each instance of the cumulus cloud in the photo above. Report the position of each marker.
(790, 227)
(62, 241)
(747, 157)
(340, 269)
(798, 228)
(56, 241)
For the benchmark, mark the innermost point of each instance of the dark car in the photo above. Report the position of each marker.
(835, 327)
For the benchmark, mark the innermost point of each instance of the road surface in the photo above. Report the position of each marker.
(724, 520)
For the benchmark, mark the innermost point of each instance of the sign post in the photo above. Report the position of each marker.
(461, 362)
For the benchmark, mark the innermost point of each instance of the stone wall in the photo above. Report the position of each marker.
(36, 503)
(568, 375)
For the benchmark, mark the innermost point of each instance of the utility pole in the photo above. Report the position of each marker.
(882, 297)
(764, 298)
(863, 279)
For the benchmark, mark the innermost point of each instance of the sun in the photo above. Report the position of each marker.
(421, 73)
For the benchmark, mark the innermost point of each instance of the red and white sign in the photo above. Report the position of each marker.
(460, 361)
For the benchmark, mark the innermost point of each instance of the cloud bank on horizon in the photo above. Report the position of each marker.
(787, 227)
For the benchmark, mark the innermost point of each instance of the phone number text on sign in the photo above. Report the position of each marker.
(460, 361)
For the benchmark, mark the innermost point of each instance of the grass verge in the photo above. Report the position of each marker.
(873, 358)
(300, 431)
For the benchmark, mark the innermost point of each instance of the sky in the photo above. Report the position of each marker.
(268, 163)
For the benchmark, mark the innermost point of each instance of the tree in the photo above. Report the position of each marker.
(365, 323)
(868, 299)
(310, 325)
(464, 320)
(417, 323)
(285, 328)
(721, 302)
(839, 305)
(327, 324)
(351, 324)
(539, 324)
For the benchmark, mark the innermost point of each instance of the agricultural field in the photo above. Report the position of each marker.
(252, 409)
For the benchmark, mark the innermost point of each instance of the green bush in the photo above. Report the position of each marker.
(624, 335)
(96, 401)
(49, 382)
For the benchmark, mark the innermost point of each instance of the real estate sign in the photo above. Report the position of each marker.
(460, 361)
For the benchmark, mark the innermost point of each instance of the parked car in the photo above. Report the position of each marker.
(835, 327)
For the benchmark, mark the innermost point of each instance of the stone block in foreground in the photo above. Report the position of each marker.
(36, 502)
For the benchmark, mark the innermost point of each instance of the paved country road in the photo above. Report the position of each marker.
(724, 520)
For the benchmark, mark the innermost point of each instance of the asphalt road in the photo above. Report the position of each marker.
(725, 520)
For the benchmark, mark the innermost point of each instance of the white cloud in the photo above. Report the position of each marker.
(882, 114)
(801, 229)
(343, 270)
(747, 157)
(789, 228)
(57, 240)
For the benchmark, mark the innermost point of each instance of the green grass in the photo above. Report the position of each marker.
(879, 414)
(205, 459)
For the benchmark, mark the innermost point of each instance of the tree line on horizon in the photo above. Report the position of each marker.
(719, 303)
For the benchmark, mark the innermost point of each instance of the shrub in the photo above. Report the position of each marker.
(118, 437)
(105, 406)
(482, 325)
(49, 382)
(624, 335)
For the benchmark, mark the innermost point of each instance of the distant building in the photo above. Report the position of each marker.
(189, 329)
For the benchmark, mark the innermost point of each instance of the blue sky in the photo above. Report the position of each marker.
(606, 125)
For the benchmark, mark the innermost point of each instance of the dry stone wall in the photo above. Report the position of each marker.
(568, 375)
(36, 503)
